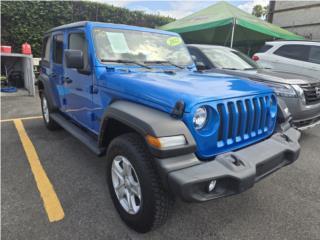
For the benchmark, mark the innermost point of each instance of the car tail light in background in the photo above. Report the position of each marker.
(255, 58)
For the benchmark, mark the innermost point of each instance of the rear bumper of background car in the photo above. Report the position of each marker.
(231, 173)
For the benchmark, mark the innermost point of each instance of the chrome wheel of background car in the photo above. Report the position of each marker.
(126, 184)
(45, 109)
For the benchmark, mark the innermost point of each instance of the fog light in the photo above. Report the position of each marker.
(211, 186)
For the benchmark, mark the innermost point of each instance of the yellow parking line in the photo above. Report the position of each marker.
(50, 199)
(24, 118)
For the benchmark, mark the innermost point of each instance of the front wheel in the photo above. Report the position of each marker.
(137, 194)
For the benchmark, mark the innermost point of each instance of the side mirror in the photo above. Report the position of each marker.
(74, 58)
(201, 66)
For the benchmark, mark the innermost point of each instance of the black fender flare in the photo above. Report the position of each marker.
(148, 121)
(45, 86)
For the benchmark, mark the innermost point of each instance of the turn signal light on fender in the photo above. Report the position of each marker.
(165, 142)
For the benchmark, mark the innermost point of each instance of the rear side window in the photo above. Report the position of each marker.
(314, 55)
(77, 41)
(264, 48)
(297, 52)
(57, 48)
(46, 49)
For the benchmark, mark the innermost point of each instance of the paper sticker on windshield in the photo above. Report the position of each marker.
(118, 42)
(174, 41)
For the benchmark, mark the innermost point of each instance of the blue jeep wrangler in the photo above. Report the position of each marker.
(133, 94)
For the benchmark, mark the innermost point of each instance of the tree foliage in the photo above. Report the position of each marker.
(260, 11)
(23, 21)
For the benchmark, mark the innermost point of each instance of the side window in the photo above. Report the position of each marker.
(297, 52)
(77, 41)
(45, 55)
(57, 48)
(314, 55)
(264, 48)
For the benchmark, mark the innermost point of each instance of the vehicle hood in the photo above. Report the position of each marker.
(273, 76)
(163, 90)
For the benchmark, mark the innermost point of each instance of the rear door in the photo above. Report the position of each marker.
(51, 64)
(292, 58)
(57, 61)
(314, 60)
(78, 83)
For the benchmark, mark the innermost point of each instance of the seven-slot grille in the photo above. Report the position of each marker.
(311, 92)
(243, 119)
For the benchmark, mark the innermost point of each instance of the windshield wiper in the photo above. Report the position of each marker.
(164, 61)
(249, 69)
(230, 68)
(126, 61)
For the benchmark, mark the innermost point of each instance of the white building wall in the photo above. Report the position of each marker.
(291, 4)
(304, 21)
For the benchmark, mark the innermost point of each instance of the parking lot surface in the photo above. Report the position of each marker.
(285, 205)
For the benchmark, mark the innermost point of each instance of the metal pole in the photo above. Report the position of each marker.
(232, 33)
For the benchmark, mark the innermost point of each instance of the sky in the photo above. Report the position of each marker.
(179, 9)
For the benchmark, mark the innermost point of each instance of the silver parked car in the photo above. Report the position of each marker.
(301, 57)
(301, 93)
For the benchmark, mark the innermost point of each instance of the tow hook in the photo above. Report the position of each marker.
(236, 161)
(285, 137)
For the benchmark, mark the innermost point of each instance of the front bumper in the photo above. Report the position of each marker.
(304, 116)
(234, 172)
(307, 123)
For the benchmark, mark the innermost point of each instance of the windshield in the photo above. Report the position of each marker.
(144, 47)
(229, 59)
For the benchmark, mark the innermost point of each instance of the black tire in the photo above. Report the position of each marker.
(49, 123)
(156, 202)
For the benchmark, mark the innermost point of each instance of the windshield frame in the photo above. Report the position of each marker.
(99, 60)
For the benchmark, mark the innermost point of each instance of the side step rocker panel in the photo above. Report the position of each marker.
(77, 132)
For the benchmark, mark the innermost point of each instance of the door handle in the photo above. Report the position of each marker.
(52, 75)
(67, 80)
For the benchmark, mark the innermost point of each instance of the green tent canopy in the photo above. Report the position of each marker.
(225, 24)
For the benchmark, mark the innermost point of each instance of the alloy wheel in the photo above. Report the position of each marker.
(126, 184)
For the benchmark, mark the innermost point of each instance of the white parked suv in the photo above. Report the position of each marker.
(301, 57)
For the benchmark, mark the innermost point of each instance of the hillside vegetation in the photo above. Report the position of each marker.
(27, 20)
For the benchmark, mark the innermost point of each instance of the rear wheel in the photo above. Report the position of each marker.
(137, 194)
(46, 112)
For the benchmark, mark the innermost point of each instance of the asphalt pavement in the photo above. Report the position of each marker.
(285, 205)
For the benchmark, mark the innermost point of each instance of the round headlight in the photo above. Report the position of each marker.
(200, 118)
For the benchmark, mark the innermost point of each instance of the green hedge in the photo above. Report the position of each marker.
(27, 20)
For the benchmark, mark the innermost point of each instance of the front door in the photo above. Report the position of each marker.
(78, 82)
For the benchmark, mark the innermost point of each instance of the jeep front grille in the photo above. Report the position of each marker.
(241, 120)
(236, 123)
(311, 92)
